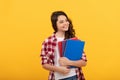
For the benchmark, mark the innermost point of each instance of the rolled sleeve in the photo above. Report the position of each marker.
(45, 54)
(44, 59)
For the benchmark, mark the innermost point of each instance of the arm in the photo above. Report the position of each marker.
(66, 62)
(47, 64)
(62, 69)
(79, 63)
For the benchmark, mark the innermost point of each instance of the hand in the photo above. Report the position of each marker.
(64, 61)
(63, 70)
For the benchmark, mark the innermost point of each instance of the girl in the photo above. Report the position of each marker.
(51, 60)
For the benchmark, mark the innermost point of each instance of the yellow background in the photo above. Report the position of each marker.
(24, 24)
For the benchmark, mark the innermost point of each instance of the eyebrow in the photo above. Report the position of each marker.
(63, 20)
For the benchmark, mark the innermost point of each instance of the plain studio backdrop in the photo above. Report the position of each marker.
(24, 24)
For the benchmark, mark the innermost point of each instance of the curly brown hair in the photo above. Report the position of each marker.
(54, 17)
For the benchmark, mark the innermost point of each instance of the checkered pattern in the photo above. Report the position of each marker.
(47, 56)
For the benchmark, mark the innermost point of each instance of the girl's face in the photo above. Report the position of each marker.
(62, 23)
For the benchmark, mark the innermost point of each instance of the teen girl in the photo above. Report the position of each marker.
(51, 60)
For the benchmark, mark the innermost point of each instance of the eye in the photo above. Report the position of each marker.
(61, 21)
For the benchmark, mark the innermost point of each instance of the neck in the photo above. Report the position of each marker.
(60, 34)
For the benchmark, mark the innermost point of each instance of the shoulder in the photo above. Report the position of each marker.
(49, 39)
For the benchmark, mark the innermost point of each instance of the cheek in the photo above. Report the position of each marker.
(68, 23)
(59, 25)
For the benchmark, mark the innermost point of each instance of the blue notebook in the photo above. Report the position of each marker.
(74, 49)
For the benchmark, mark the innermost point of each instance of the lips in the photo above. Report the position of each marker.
(65, 26)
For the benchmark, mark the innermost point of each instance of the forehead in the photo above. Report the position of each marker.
(62, 17)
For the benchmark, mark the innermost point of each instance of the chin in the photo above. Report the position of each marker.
(65, 29)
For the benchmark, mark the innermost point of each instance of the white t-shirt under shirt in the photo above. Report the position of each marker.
(57, 56)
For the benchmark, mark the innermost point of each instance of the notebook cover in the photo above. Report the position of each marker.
(74, 49)
(63, 46)
(64, 43)
(60, 48)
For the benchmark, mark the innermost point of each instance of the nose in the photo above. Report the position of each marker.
(66, 23)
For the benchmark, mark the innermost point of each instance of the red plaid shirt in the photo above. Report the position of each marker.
(47, 56)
